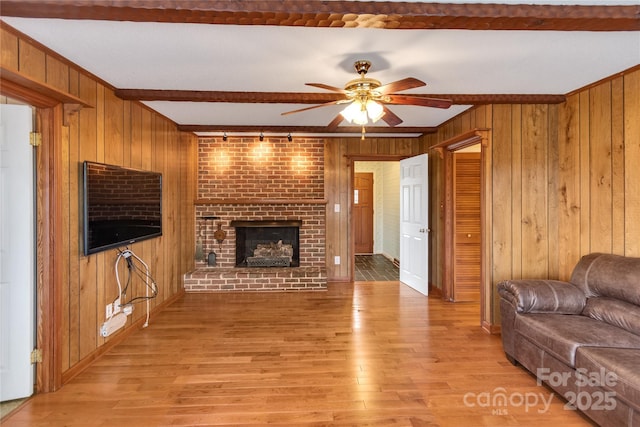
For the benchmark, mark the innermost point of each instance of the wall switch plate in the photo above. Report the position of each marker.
(336, 260)
(336, 207)
(108, 311)
(116, 306)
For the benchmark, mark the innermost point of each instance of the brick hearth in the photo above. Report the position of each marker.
(210, 279)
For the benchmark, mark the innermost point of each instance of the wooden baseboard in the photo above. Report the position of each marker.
(435, 292)
(117, 338)
(491, 328)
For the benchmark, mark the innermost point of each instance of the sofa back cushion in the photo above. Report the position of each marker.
(614, 312)
(608, 275)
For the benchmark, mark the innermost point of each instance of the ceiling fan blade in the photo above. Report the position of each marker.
(312, 107)
(400, 85)
(419, 101)
(390, 117)
(335, 122)
(327, 87)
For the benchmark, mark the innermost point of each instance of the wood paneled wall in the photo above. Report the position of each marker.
(338, 153)
(524, 206)
(597, 181)
(117, 132)
(564, 179)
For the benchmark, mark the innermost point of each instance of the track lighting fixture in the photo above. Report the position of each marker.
(261, 137)
(289, 137)
(224, 136)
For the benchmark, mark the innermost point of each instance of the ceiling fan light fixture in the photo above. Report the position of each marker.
(366, 99)
(375, 111)
(355, 113)
(361, 113)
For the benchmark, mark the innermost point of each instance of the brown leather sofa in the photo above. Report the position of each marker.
(581, 338)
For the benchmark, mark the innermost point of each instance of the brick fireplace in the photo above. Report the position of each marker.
(244, 184)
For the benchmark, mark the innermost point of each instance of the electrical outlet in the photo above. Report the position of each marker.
(336, 260)
(108, 312)
(113, 324)
(116, 306)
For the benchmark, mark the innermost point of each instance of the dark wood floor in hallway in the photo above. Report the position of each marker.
(364, 354)
(375, 268)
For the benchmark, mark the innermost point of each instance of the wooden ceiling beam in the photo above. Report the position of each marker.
(318, 13)
(225, 96)
(306, 129)
(319, 98)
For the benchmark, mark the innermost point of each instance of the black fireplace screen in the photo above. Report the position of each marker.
(267, 243)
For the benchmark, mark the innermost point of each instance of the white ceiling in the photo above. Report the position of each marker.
(149, 55)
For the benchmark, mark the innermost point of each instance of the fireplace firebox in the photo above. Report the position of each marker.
(267, 243)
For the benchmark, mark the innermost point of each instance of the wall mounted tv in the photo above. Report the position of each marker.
(121, 206)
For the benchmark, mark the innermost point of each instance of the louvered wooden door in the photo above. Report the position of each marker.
(466, 264)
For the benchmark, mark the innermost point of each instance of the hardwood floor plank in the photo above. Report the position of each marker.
(363, 354)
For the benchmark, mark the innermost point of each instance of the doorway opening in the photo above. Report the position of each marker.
(476, 138)
(375, 218)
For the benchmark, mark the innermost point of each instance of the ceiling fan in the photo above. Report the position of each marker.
(367, 98)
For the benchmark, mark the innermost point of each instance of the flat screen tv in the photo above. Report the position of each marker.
(121, 206)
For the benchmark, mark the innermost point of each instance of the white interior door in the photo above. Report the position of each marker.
(414, 249)
(17, 260)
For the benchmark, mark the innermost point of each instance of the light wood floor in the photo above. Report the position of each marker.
(364, 354)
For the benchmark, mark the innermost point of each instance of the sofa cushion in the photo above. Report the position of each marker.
(624, 362)
(608, 275)
(561, 335)
(614, 312)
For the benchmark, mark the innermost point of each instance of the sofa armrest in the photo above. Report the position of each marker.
(543, 296)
